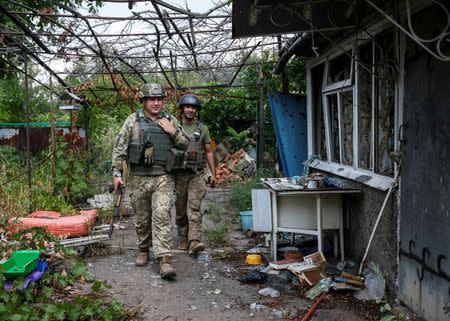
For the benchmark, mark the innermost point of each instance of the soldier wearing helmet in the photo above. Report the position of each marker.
(147, 141)
(190, 183)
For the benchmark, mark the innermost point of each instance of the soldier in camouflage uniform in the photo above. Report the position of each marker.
(190, 183)
(145, 141)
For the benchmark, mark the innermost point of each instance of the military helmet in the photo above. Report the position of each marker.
(152, 90)
(190, 100)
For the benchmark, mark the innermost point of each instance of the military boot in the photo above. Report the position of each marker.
(142, 257)
(183, 245)
(167, 271)
(195, 247)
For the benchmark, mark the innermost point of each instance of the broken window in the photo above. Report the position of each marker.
(332, 105)
(385, 109)
(376, 105)
(359, 133)
(319, 125)
(339, 69)
(339, 107)
(347, 126)
(365, 103)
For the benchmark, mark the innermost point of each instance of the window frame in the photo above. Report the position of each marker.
(340, 84)
(326, 115)
(355, 172)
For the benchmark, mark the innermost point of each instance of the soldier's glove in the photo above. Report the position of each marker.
(147, 154)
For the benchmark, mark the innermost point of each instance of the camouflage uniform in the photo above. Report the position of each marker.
(153, 190)
(190, 188)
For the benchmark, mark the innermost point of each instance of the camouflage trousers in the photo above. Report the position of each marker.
(152, 199)
(190, 189)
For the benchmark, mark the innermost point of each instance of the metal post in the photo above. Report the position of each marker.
(52, 134)
(27, 127)
(284, 77)
(260, 121)
(71, 129)
(87, 117)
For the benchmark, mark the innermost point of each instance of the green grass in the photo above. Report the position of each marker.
(217, 234)
(215, 212)
(241, 192)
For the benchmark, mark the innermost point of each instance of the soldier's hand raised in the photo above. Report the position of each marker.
(167, 126)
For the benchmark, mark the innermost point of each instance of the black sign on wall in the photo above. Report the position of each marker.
(271, 17)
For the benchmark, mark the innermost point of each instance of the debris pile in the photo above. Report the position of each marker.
(235, 167)
(311, 274)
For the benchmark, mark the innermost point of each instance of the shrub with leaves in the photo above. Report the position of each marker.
(71, 186)
(55, 296)
(238, 140)
(241, 192)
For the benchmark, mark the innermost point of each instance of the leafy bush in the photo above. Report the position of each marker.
(72, 183)
(238, 140)
(241, 192)
(49, 299)
(71, 180)
(219, 111)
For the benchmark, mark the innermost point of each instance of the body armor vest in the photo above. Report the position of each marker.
(149, 143)
(195, 155)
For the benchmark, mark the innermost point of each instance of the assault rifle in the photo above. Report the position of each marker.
(119, 197)
(117, 205)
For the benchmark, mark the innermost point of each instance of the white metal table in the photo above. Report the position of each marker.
(307, 211)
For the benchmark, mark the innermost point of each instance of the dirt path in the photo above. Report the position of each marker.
(206, 287)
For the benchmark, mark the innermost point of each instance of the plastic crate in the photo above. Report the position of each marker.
(20, 264)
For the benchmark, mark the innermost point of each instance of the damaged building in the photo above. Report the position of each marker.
(378, 121)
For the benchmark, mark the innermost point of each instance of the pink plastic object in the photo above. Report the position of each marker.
(69, 226)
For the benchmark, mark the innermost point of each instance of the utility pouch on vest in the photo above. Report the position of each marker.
(176, 159)
(192, 154)
(134, 153)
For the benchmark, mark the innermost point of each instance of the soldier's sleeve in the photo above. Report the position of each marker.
(206, 135)
(120, 150)
(179, 138)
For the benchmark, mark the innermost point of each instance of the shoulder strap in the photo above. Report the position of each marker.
(138, 114)
(166, 115)
(199, 126)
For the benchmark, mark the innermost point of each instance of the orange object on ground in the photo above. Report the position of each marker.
(54, 223)
(313, 308)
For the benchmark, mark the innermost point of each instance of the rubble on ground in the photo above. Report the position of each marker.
(235, 167)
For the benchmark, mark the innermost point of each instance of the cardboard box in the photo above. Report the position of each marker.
(316, 258)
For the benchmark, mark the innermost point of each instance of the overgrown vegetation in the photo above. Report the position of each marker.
(238, 140)
(216, 234)
(56, 296)
(79, 173)
(241, 192)
(69, 188)
(215, 212)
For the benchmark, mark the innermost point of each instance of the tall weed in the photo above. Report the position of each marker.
(217, 234)
(241, 192)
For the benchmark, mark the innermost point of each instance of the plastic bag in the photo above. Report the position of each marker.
(374, 284)
(269, 291)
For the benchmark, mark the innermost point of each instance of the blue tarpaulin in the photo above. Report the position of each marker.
(289, 121)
